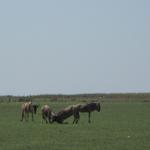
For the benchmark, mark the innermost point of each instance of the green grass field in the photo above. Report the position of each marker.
(119, 126)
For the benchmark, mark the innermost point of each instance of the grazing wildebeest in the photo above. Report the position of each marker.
(46, 113)
(89, 107)
(63, 114)
(27, 108)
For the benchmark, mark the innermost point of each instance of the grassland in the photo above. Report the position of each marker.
(119, 126)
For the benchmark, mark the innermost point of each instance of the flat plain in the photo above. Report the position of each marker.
(119, 126)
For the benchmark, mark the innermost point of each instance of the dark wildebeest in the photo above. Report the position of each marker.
(27, 108)
(46, 113)
(63, 114)
(89, 107)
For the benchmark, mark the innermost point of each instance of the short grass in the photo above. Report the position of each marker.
(119, 126)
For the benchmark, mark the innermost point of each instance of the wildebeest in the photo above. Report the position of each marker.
(75, 110)
(27, 108)
(89, 107)
(46, 113)
(63, 114)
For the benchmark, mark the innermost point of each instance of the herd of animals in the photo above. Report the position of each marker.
(49, 116)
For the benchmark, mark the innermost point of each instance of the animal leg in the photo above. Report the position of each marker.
(74, 120)
(89, 118)
(32, 116)
(77, 120)
(27, 116)
(76, 117)
(43, 118)
(22, 116)
(46, 120)
(49, 117)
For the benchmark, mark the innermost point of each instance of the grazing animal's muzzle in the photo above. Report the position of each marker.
(53, 117)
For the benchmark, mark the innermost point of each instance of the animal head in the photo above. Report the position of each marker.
(53, 117)
(35, 107)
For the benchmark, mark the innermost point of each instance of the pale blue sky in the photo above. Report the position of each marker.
(69, 47)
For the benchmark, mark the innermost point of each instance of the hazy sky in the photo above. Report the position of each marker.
(74, 46)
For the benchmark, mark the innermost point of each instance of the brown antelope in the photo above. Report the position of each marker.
(46, 113)
(27, 108)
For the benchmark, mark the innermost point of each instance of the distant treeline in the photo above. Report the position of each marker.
(103, 97)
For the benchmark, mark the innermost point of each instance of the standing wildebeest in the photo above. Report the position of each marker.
(27, 108)
(46, 113)
(89, 107)
(63, 114)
